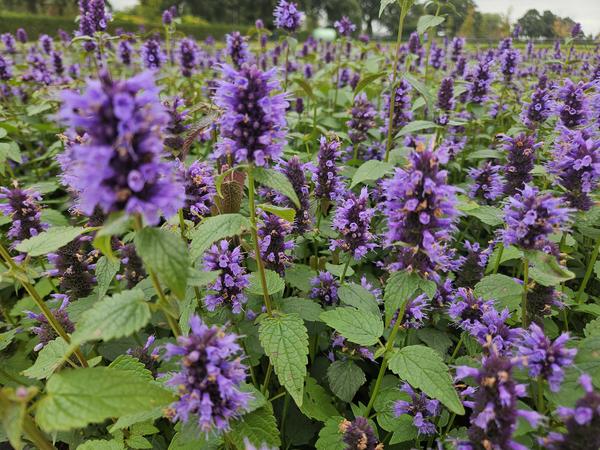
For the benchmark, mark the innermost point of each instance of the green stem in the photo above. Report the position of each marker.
(540, 394)
(259, 261)
(388, 143)
(337, 76)
(182, 227)
(345, 270)
(588, 272)
(265, 388)
(459, 345)
(35, 435)
(524, 320)
(287, 57)
(33, 293)
(498, 258)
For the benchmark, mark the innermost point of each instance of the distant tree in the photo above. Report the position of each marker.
(535, 24)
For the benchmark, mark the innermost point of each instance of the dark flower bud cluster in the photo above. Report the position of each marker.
(328, 184)
(189, 55)
(200, 190)
(74, 265)
(22, 206)
(152, 55)
(473, 265)
(445, 100)
(237, 49)
(176, 127)
(133, 267)
(488, 184)
(325, 288)
(402, 107)
(358, 435)
(423, 409)
(521, 155)
(44, 330)
(273, 243)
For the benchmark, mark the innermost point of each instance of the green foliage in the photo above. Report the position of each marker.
(274, 283)
(360, 327)
(345, 378)
(259, 427)
(504, 290)
(49, 240)
(213, 229)
(277, 181)
(50, 358)
(370, 171)
(353, 294)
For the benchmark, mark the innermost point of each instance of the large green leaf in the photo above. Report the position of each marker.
(114, 317)
(49, 240)
(76, 398)
(546, 270)
(259, 427)
(401, 287)
(360, 327)
(213, 229)
(106, 269)
(330, 437)
(317, 403)
(309, 310)
(504, 290)
(428, 21)
(414, 126)
(167, 255)
(285, 341)
(370, 171)
(274, 283)
(345, 378)
(277, 181)
(49, 358)
(353, 294)
(423, 368)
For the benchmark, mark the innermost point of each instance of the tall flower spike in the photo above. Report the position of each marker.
(188, 56)
(152, 55)
(119, 165)
(287, 16)
(480, 80)
(73, 264)
(402, 107)
(328, 185)
(133, 267)
(574, 109)
(344, 26)
(325, 288)
(576, 165)
(521, 154)
(445, 101)
(473, 265)
(358, 435)
(5, 68)
(209, 378)
(253, 122)
(274, 245)
(176, 127)
(420, 211)
(488, 184)
(200, 190)
(237, 49)
(228, 288)
(44, 330)
(509, 60)
(532, 217)
(545, 358)
(466, 310)
(539, 109)
(22, 206)
(494, 405)
(423, 409)
(353, 222)
(362, 119)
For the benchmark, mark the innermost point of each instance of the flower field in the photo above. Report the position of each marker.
(272, 243)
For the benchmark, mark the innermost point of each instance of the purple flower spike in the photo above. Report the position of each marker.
(328, 184)
(467, 310)
(253, 123)
(423, 409)
(274, 247)
(445, 101)
(363, 119)
(358, 434)
(189, 55)
(402, 107)
(200, 190)
(520, 158)
(287, 16)
(228, 288)
(44, 330)
(545, 358)
(73, 264)
(473, 265)
(325, 288)
(488, 184)
(353, 221)
(119, 165)
(152, 55)
(209, 379)
(480, 81)
(22, 206)
(574, 109)
(344, 26)
(237, 49)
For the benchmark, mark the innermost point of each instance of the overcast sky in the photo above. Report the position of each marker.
(587, 12)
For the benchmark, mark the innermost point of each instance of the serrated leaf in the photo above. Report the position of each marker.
(353, 294)
(114, 317)
(488, 214)
(201, 278)
(370, 171)
(330, 437)
(129, 419)
(317, 403)
(275, 283)
(76, 398)
(425, 92)
(277, 181)
(287, 214)
(338, 269)
(367, 80)
(49, 358)
(299, 276)
(213, 229)
(345, 379)
(167, 255)
(414, 126)
(504, 290)
(259, 427)
(308, 309)
(128, 363)
(404, 430)
(49, 240)
(423, 368)
(360, 327)
(428, 21)
(106, 269)
(285, 341)
(546, 270)
(7, 337)
(588, 358)
(97, 444)
(400, 287)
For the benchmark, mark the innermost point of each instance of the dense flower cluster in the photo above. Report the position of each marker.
(423, 409)
(344, 26)
(353, 222)
(488, 184)
(327, 181)
(152, 54)
(473, 265)
(73, 265)
(237, 49)
(274, 245)
(200, 190)
(325, 288)
(287, 16)
(188, 56)
(362, 119)
(574, 109)
(358, 434)
(402, 113)
(521, 155)
(44, 330)
(22, 206)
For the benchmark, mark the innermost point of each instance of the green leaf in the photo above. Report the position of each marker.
(367, 80)
(12, 415)
(50, 358)
(7, 337)
(214, 229)
(167, 255)
(330, 437)
(422, 89)
(183, 442)
(404, 430)
(201, 278)
(128, 363)
(423, 368)
(97, 444)
(76, 398)
(317, 404)
(338, 269)
(285, 341)
(49, 240)
(384, 4)
(274, 283)
(278, 181)
(428, 21)
(488, 214)
(305, 85)
(400, 287)
(259, 427)
(416, 125)
(504, 290)
(106, 269)
(309, 310)
(288, 214)
(588, 358)
(353, 294)
(114, 317)
(546, 270)
(485, 153)
(299, 276)
(436, 339)
(370, 171)
(360, 327)
(345, 378)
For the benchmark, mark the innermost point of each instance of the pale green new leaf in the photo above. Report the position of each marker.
(330, 437)
(49, 240)
(428, 21)
(360, 327)
(278, 181)
(106, 269)
(370, 171)
(504, 290)
(49, 358)
(213, 229)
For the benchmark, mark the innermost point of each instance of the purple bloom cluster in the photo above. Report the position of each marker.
(237, 49)
(456, 48)
(73, 264)
(328, 184)
(9, 43)
(532, 217)
(520, 158)
(576, 165)
(133, 267)
(294, 170)
(118, 167)
(348, 349)
(188, 56)
(44, 330)
(176, 126)
(423, 409)
(209, 379)
(287, 16)
(402, 107)
(509, 60)
(473, 265)
(228, 288)
(466, 309)
(488, 184)
(574, 109)
(344, 26)
(325, 288)
(539, 109)
(152, 55)
(5, 68)
(420, 210)
(353, 221)
(22, 206)
(363, 119)
(546, 358)
(253, 122)
(358, 434)
(200, 190)
(494, 405)
(445, 100)
(480, 81)
(274, 247)
(92, 18)
(124, 51)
